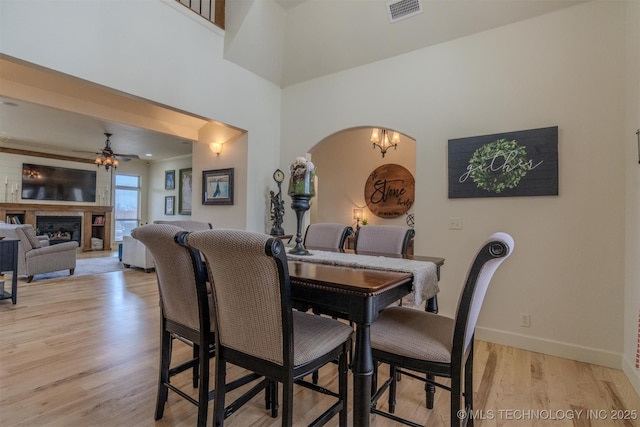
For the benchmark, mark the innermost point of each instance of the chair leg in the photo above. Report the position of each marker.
(287, 403)
(274, 399)
(430, 391)
(342, 386)
(456, 398)
(468, 385)
(71, 271)
(163, 377)
(203, 391)
(392, 388)
(221, 379)
(196, 352)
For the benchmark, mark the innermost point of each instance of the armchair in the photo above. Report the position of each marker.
(35, 255)
(136, 254)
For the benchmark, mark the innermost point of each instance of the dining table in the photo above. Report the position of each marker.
(356, 294)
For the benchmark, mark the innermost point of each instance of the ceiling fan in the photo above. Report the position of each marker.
(107, 158)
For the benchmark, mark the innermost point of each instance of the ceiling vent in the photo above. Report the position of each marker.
(401, 9)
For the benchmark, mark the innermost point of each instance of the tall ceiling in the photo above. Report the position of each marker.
(327, 36)
(313, 38)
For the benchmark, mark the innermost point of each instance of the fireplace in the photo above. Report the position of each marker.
(60, 228)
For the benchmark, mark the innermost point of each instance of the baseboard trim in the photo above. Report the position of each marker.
(632, 373)
(580, 353)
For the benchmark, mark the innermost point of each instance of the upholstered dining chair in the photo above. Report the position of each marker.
(386, 239)
(326, 236)
(256, 327)
(185, 313)
(439, 346)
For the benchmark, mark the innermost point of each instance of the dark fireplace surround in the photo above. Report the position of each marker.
(60, 228)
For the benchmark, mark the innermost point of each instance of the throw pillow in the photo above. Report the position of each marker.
(31, 237)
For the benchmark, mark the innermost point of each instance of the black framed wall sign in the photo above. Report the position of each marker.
(520, 163)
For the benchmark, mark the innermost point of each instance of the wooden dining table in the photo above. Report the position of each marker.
(358, 295)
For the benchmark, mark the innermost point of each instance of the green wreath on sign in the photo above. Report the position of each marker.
(499, 165)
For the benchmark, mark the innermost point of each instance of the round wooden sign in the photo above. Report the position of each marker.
(389, 191)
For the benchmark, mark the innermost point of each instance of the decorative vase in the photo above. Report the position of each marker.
(303, 184)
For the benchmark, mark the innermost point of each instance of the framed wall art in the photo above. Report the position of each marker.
(217, 187)
(170, 180)
(520, 163)
(169, 205)
(185, 192)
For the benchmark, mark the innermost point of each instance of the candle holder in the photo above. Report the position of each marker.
(300, 204)
(301, 190)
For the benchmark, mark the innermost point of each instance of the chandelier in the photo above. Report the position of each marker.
(380, 139)
(107, 158)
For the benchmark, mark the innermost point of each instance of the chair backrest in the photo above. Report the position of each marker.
(326, 236)
(387, 239)
(181, 278)
(492, 253)
(251, 292)
(23, 232)
(188, 225)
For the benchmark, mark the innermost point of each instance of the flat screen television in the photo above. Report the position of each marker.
(55, 183)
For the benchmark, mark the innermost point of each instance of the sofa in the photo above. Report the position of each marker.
(135, 254)
(35, 255)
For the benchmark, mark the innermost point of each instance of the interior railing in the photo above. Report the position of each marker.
(211, 10)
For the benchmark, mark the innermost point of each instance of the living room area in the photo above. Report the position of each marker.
(574, 273)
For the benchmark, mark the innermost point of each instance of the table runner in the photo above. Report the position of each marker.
(425, 276)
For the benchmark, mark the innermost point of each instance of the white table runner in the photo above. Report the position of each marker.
(425, 275)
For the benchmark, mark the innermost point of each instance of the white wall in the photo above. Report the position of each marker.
(632, 233)
(563, 69)
(156, 50)
(156, 191)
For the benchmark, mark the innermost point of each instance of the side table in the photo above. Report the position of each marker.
(9, 262)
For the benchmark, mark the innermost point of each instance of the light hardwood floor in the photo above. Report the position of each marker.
(83, 351)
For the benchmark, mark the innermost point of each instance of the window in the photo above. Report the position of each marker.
(127, 205)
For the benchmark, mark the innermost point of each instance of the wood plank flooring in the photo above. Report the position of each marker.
(83, 351)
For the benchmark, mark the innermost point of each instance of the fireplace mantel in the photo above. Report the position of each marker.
(92, 226)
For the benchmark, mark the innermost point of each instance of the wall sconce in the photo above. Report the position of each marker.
(216, 148)
(357, 215)
(380, 138)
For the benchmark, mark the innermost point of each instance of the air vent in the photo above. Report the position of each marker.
(402, 9)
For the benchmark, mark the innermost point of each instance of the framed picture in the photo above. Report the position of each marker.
(217, 187)
(511, 164)
(169, 205)
(185, 192)
(169, 180)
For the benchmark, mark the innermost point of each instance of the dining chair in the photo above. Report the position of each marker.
(256, 327)
(186, 314)
(386, 239)
(439, 346)
(326, 236)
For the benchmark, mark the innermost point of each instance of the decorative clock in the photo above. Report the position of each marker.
(277, 205)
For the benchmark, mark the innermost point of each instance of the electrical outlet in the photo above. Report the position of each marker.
(455, 223)
(525, 320)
